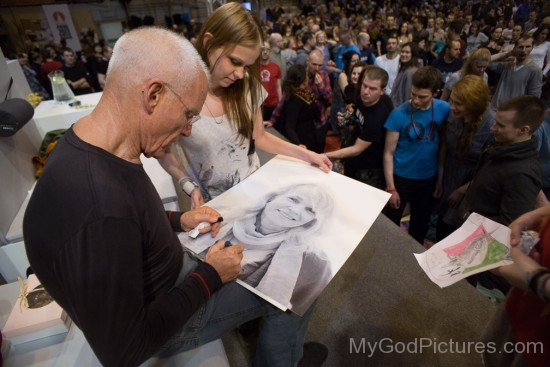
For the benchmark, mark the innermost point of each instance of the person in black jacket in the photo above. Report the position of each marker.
(300, 112)
(508, 178)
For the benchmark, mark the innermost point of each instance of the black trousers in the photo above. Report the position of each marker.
(419, 193)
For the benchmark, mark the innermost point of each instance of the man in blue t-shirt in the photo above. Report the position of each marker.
(411, 151)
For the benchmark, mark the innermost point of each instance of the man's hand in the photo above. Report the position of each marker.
(438, 189)
(192, 218)
(318, 80)
(529, 221)
(455, 198)
(196, 198)
(226, 260)
(395, 200)
(268, 124)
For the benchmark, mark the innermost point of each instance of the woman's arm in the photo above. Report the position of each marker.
(171, 165)
(272, 144)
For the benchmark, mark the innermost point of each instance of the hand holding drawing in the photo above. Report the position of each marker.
(226, 260)
(515, 273)
(318, 160)
(192, 218)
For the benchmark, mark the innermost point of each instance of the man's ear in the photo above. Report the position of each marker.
(525, 129)
(151, 94)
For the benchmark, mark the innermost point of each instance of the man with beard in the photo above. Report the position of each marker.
(518, 75)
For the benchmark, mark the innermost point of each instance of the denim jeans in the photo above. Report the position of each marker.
(281, 338)
(419, 193)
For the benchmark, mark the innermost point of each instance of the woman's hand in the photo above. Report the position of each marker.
(194, 217)
(319, 160)
(196, 198)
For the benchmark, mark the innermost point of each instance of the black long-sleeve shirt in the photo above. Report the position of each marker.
(98, 238)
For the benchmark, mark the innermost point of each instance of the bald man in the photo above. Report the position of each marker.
(98, 238)
(276, 44)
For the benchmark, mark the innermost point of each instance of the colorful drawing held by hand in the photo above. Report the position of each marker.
(480, 244)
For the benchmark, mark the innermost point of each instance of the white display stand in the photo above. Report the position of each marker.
(74, 350)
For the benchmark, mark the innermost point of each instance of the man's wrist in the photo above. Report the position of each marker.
(391, 189)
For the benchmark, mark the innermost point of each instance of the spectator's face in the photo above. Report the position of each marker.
(279, 42)
(288, 210)
(354, 60)
(543, 35)
(422, 44)
(69, 58)
(450, 17)
(228, 67)
(390, 22)
(98, 50)
(421, 98)
(23, 59)
(406, 54)
(523, 49)
(469, 18)
(405, 28)
(108, 53)
(321, 39)
(431, 23)
(503, 129)
(314, 63)
(497, 33)
(391, 45)
(454, 51)
(457, 106)
(479, 67)
(355, 72)
(516, 32)
(371, 91)
(473, 29)
(266, 51)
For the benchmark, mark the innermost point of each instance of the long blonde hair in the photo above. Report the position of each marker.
(231, 25)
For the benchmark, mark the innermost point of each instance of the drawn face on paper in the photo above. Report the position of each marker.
(290, 209)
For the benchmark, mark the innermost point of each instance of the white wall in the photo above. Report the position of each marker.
(16, 169)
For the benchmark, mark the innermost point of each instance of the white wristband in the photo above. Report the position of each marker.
(187, 186)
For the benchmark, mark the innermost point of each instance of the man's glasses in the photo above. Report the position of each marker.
(191, 116)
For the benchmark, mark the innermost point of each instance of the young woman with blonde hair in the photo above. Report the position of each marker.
(221, 149)
(475, 64)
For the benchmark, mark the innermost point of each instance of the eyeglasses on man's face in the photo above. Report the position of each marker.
(191, 116)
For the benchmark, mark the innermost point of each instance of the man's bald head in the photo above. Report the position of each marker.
(276, 40)
(150, 52)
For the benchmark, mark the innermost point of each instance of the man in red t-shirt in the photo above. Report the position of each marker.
(270, 76)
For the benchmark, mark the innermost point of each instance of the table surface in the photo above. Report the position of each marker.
(52, 108)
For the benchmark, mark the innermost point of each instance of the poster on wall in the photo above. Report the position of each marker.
(61, 25)
(299, 226)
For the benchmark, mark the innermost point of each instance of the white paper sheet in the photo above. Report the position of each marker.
(328, 215)
(480, 244)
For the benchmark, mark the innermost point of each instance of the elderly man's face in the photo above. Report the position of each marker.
(314, 63)
(173, 114)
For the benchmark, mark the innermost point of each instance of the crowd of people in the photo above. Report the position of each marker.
(442, 105)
